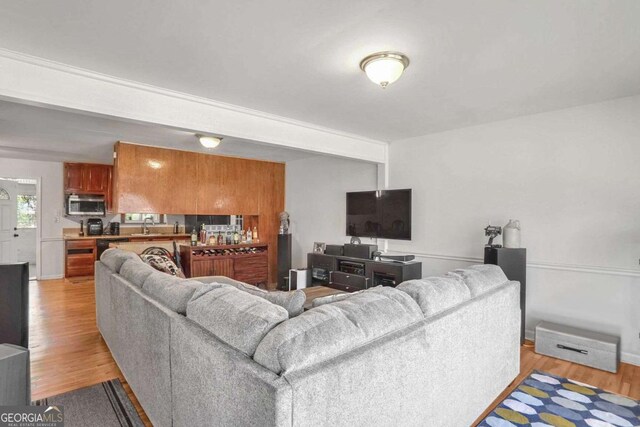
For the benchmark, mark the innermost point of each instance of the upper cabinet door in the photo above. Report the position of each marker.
(73, 178)
(227, 185)
(154, 180)
(96, 179)
(87, 178)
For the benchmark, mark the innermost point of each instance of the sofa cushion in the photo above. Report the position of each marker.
(114, 258)
(172, 291)
(163, 264)
(480, 278)
(333, 329)
(136, 271)
(237, 318)
(292, 301)
(332, 298)
(436, 294)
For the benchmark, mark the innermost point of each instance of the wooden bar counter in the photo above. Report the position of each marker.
(247, 262)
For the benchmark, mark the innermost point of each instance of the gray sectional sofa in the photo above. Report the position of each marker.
(431, 352)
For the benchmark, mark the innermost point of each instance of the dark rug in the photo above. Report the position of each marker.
(105, 404)
(544, 399)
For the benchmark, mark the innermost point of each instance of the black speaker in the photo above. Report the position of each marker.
(284, 259)
(359, 251)
(14, 304)
(335, 250)
(514, 264)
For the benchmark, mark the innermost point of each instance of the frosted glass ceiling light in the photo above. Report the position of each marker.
(384, 68)
(209, 141)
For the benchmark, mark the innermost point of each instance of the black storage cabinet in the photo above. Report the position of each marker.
(14, 304)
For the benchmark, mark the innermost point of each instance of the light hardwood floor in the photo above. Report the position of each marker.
(67, 351)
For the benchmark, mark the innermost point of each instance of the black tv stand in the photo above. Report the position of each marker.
(353, 274)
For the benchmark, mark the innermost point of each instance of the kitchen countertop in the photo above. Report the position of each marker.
(125, 236)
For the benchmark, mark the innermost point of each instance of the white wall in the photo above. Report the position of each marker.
(51, 208)
(316, 200)
(570, 176)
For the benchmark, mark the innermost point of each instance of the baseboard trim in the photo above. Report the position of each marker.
(626, 357)
(591, 269)
(52, 277)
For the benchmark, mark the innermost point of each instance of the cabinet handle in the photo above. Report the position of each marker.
(577, 350)
(16, 235)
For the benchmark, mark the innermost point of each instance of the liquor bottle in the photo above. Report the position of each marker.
(255, 235)
(243, 236)
(212, 240)
(249, 235)
(194, 237)
(228, 240)
(236, 237)
(203, 235)
(220, 238)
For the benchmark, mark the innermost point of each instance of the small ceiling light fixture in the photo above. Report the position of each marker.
(384, 68)
(209, 141)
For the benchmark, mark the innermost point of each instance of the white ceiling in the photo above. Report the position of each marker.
(36, 133)
(471, 61)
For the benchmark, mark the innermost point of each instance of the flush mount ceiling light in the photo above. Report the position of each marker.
(209, 141)
(384, 68)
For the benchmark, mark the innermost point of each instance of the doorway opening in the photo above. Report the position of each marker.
(19, 222)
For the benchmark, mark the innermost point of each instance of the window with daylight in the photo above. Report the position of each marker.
(138, 218)
(26, 211)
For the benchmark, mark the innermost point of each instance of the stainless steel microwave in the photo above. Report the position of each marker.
(86, 205)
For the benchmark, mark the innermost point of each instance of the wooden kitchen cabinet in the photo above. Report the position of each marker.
(89, 178)
(73, 178)
(80, 257)
(153, 180)
(97, 179)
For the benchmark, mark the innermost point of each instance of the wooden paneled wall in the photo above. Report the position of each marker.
(159, 180)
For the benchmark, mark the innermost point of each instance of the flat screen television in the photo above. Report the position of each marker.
(385, 214)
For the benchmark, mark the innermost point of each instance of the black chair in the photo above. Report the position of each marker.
(14, 304)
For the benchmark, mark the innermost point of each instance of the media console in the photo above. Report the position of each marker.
(353, 274)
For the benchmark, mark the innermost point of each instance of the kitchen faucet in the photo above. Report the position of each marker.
(145, 229)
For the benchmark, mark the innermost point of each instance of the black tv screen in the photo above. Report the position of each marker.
(385, 214)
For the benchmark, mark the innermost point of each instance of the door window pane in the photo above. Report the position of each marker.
(26, 211)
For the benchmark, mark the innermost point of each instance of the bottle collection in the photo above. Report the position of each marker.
(222, 238)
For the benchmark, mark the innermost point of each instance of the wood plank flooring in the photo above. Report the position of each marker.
(68, 352)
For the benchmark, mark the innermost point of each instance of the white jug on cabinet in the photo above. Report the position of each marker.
(511, 234)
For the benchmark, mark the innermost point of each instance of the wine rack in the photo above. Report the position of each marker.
(226, 251)
(244, 262)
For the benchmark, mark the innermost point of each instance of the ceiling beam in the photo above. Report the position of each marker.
(36, 81)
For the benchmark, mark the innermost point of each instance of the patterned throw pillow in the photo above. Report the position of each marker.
(162, 263)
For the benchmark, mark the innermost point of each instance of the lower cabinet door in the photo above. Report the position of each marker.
(252, 269)
(80, 265)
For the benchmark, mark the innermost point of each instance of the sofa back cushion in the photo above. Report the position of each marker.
(436, 294)
(480, 278)
(114, 258)
(136, 271)
(237, 318)
(292, 301)
(333, 329)
(317, 302)
(172, 291)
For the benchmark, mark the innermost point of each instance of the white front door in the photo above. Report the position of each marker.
(8, 221)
